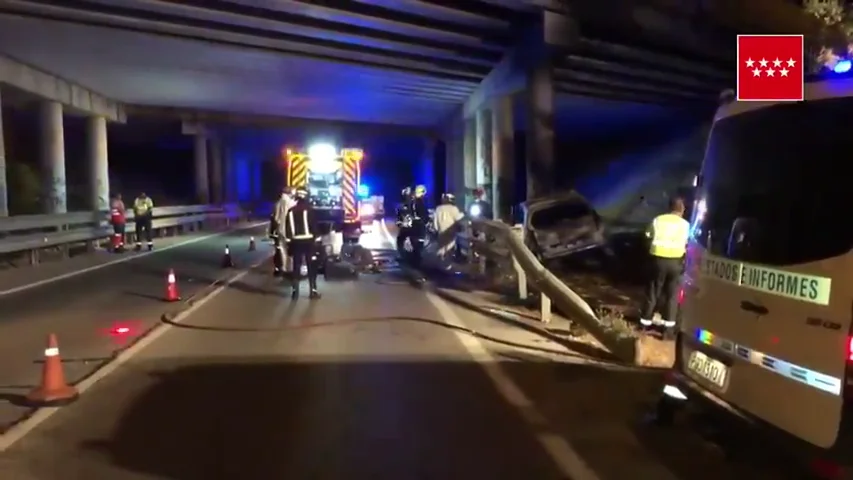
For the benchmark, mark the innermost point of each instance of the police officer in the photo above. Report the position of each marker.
(143, 208)
(300, 231)
(420, 217)
(447, 215)
(668, 234)
(404, 221)
(282, 206)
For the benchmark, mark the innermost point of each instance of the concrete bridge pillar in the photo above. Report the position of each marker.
(503, 158)
(483, 152)
(215, 164)
(255, 188)
(469, 160)
(455, 166)
(228, 175)
(540, 160)
(99, 173)
(53, 158)
(202, 189)
(4, 195)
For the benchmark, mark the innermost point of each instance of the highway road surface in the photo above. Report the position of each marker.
(98, 312)
(374, 381)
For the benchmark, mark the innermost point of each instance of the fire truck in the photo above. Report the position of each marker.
(331, 177)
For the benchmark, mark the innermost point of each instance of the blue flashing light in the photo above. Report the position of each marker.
(843, 66)
(363, 191)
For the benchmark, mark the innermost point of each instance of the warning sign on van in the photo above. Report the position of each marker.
(797, 286)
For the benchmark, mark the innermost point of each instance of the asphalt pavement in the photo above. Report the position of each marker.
(98, 312)
(378, 380)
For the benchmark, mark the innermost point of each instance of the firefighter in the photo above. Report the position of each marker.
(280, 257)
(118, 219)
(301, 234)
(668, 233)
(143, 208)
(404, 221)
(447, 215)
(420, 217)
(277, 258)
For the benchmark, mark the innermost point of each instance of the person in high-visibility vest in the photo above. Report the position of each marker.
(143, 208)
(668, 234)
(118, 221)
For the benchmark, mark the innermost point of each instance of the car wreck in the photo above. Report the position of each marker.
(559, 225)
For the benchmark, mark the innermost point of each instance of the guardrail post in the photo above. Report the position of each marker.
(544, 308)
(518, 231)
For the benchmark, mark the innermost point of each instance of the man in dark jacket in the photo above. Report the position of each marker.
(404, 221)
(301, 234)
(420, 218)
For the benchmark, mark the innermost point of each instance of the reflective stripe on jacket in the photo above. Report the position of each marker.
(669, 234)
(298, 228)
(142, 206)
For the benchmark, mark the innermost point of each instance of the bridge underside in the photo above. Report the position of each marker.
(411, 64)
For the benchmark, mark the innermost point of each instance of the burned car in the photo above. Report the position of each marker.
(559, 225)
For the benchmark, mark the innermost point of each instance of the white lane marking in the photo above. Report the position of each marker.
(128, 258)
(567, 459)
(19, 431)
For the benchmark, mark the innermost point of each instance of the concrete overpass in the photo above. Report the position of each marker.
(467, 73)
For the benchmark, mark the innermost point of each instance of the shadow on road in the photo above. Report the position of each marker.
(337, 418)
(267, 418)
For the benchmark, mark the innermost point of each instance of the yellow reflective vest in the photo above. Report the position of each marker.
(142, 206)
(669, 234)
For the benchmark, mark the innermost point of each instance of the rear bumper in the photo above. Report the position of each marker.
(728, 417)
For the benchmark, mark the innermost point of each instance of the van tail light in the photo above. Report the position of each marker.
(850, 349)
(826, 470)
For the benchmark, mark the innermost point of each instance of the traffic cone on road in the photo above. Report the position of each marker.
(252, 246)
(227, 261)
(172, 288)
(53, 390)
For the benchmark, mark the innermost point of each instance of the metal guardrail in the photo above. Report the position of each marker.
(498, 242)
(36, 232)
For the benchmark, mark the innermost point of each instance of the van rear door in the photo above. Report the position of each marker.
(767, 313)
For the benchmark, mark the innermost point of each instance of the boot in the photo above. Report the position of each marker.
(295, 293)
(312, 282)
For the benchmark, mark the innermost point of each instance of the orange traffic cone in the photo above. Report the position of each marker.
(252, 246)
(53, 390)
(227, 261)
(172, 288)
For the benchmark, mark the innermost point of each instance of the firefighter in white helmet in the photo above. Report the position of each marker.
(447, 215)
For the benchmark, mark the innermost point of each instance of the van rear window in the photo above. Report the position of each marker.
(775, 186)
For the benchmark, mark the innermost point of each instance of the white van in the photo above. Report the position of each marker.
(768, 292)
